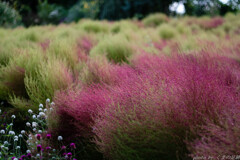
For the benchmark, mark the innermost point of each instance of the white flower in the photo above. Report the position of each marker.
(2, 131)
(42, 114)
(40, 109)
(54, 150)
(11, 124)
(15, 137)
(34, 124)
(48, 100)
(2, 146)
(38, 116)
(15, 159)
(45, 110)
(22, 132)
(13, 116)
(0, 113)
(30, 111)
(39, 131)
(28, 124)
(5, 143)
(52, 104)
(6, 148)
(51, 109)
(40, 105)
(18, 147)
(34, 129)
(38, 155)
(60, 138)
(11, 132)
(28, 151)
(34, 116)
(20, 136)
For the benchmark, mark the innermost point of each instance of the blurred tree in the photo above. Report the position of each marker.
(9, 16)
(118, 9)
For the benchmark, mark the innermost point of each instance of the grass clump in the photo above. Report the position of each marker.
(167, 32)
(115, 48)
(155, 20)
(94, 26)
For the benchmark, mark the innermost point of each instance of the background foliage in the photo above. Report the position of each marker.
(37, 12)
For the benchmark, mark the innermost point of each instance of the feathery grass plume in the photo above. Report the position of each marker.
(167, 32)
(84, 45)
(52, 76)
(115, 48)
(220, 139)
(12, 76)
(169, 98)
(154, 20)
(64, 50)
(94, 26)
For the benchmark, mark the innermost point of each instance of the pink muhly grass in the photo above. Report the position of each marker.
(211, 23)
(77, 106)
(45, 44)
(84, 45)
(219, 139)
(177, 93)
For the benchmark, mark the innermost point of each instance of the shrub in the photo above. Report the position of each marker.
(220, 139)
(168, 99)
(166, 32)
(64, 50)
(115, 48)
(155, 20)
(9, 16)
(52, 76)
(94, 26)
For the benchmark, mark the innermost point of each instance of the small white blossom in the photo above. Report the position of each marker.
(54, 150)
(60, 138)
(11, 132)
(15, 159)
(51, 109)
(52, 104)
(45, 110)
(22, 132)
(34, 124)
(6, 148)
(15, 137)
(28, 124)
(38, 116)
(20, 136)
(2, 146)
(34, 129)
(13, 116)
(5, 143)
(40, 109)
(42, 114)
(39, 131)
(0, 113)
(40, 105)
(38, 155)
(28, 151)
(11, 124)
(34, 116)
(2, 131)
(30, 111)
(48, 100)
(18, 147)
